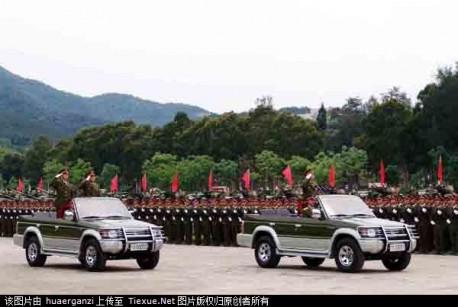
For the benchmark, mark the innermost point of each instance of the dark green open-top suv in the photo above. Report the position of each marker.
(96, 230)
(342, 227)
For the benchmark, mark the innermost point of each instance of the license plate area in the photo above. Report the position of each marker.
(135, 247)
(397, 247)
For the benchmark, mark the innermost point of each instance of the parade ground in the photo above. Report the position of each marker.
(185, 269)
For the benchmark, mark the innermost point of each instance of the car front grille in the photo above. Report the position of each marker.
(138, 234)
(396, 233)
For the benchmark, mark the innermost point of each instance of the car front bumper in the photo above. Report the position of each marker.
(378, 246)
(117, 247)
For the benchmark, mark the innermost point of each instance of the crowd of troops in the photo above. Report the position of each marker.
(216, 221)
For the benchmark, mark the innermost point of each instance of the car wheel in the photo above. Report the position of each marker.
(265, 253)
(93, 258)
(33, 252)
(312, 262)
(348, 255)
(396, 263)
(148, 262)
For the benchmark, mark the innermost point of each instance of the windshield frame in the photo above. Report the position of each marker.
(76, 206)
(326, 209)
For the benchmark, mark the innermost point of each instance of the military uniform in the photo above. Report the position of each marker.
(65, 192)
(89, 189)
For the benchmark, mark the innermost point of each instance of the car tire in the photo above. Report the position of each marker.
(396, 263)
(33, 252)
(265, 253)
(348, 256)
(93, 257)
(312, 262)
(148, 262)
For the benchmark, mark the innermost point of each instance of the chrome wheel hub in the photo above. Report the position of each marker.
(264, 252)
(91, 255)
(346, 255)
(32, 251)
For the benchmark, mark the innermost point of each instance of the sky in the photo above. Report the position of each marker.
(222, 55)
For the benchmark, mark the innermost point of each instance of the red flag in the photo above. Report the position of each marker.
(20, 185)
(114, 183)
(246, 179)
(175, 182)
(439, 170)
(287, 174)
(210, 180)
(332, 176)
(382, 172)
(40, 184)
(143, 186)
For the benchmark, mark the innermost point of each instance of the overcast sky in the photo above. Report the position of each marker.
(222, 55)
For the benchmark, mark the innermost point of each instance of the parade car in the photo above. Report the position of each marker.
(97, 229)
(342, 227)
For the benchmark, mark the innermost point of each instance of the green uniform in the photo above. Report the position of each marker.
(65, 191)
(308, 189)
(89, 189)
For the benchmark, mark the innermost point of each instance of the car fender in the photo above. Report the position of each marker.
(269, 230)
(89, 233)
(37, 232)
(344, 231)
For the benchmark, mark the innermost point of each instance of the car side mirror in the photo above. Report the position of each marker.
(68, 215)
(316, 214)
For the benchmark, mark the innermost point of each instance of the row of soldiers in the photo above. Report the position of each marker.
(217, 221)
(435, 218)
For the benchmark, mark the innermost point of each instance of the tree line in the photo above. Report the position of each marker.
(409, 137)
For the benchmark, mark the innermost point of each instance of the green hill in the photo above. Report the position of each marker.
(30, 108)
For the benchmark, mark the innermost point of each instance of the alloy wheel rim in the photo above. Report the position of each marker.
(346, 255)
(264, 252)
(91, 255)
(32, 251)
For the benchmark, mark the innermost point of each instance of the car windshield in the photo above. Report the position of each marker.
(101, 207)
(341, 206)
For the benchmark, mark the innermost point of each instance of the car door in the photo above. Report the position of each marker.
(283, 229)
(312, 234)
(68, 234)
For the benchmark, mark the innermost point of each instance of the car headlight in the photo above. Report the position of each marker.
(369, 232)
(110, 233)
(156, 232)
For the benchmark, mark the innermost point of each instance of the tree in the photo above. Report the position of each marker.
(344, 126)
(35, 158)
(434, 121)
(392, 174)
(12, 165)
(320, 166)
(108, 172)
(159, 170)
(321, 120)
(78, 170)
(386, 133)
(265, 101)
(12, 183)
(350, 164)
(50, 169)
(226, 172)
(269, 165)
(298, 167)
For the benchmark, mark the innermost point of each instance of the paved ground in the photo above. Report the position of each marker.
(221, 270)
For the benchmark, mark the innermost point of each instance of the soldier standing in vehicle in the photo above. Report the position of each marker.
(89, 188)
(65, 192)
(308, 191)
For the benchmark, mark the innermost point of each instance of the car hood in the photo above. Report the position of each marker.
(120, 223)
(372, 222)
